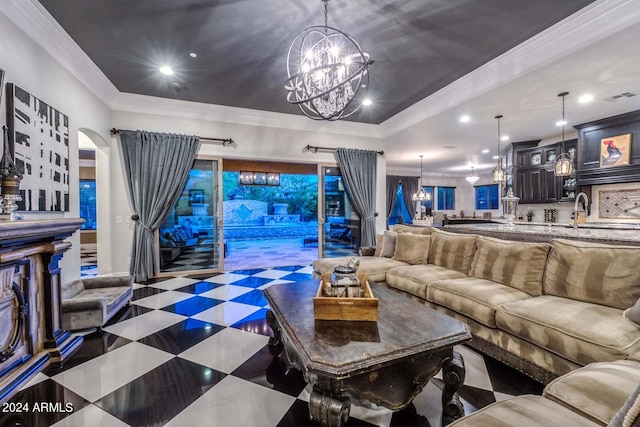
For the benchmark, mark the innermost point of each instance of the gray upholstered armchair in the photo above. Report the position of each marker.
(91, 302)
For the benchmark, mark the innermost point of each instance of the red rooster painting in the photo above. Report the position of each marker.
(615, 151)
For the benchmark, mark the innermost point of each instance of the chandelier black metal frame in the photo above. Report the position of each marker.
(326, 71)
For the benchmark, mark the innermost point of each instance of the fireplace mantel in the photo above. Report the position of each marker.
(31, 334)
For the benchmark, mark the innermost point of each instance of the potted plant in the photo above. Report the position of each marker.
(530, 214)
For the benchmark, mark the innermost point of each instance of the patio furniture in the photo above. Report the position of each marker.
(309, 241)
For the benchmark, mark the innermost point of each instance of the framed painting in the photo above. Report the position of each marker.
(39, 138)
(615, 150)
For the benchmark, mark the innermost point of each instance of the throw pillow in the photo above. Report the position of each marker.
(389, 244)
(629, 414)
(412, 248)
(379, 240)
(633, 314)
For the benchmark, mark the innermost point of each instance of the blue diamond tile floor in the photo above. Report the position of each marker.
(192, 351)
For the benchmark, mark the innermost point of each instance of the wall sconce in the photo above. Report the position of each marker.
(259, 178)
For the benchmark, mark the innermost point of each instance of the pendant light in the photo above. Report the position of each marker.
(421, 195)
(563, 165)
(499, 174)
(473, 178)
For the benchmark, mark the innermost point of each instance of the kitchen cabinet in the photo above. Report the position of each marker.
(534, 178)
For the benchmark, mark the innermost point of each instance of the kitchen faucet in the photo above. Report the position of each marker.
(575, 208)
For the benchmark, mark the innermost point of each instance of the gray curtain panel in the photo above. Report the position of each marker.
(392, 189)
(359, 173)
(157, 167)
(410, 186)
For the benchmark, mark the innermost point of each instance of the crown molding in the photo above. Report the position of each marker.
(134, 103)
(590, 24)
(32, 18)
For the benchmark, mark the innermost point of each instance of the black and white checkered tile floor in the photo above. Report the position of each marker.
(193, 352)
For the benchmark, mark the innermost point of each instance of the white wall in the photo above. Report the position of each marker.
(29, 66)
(253, 143)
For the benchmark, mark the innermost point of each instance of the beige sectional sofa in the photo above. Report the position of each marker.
(545, 309)
(597, 395)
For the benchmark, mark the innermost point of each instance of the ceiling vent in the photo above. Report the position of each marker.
(179, 87)
(622, 95)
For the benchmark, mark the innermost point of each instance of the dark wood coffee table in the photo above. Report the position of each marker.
(387, 362)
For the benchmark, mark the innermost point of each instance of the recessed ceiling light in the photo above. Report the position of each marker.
(165, 69)
(485, 151)
(464, 119)
(561, 123)
(193, 54)
(495, 157)
(585, 98)
(366, 102)
(504, 138)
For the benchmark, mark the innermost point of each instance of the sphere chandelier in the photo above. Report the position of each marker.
(326, 70)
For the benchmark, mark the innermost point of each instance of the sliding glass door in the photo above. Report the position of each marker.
(339, 223)
(190, 239)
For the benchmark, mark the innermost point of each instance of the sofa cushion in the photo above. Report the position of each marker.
(598, 390)
(516, 264)
(579, 331)
(412, 248)
(414, 279)
(629, 414)
(71, 289)
(473, 297)
(389, 244)
(632, 314)
(379, 240)
(591, 272)
(452, 251)
(401, 228)
(374, 267)
(113, 297)
(524, 411)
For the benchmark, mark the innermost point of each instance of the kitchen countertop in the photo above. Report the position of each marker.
(542, 232)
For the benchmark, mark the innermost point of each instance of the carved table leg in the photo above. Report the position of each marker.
(275, 342)
(453, 374)
(329, 411)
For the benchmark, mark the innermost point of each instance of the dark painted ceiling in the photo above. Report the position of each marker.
(419, 46)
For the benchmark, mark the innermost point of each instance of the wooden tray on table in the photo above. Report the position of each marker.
(339, 308)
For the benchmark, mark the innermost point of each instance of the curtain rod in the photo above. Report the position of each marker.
(315, 149)
(224, 141)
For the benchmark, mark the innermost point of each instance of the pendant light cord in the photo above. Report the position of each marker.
(326, 8)
(499, 156)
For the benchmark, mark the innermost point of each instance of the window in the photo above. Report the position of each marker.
(88, 204)
(446, 198)
(400, 210)
(429, 203)
(487, 196)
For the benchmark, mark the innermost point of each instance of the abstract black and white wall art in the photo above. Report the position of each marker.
(39, 135)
